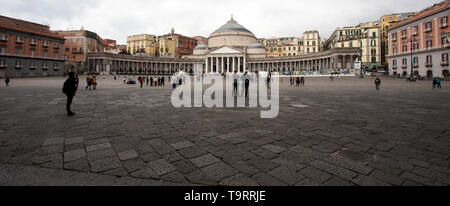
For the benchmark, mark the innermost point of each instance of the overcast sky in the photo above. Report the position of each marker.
(115, 19)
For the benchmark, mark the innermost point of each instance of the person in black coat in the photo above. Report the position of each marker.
(70, 88)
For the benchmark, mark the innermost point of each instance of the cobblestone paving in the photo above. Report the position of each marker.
(338, 132)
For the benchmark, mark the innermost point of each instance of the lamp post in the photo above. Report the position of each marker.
(411, 50)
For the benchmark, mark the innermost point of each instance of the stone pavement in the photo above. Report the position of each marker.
(339, 132)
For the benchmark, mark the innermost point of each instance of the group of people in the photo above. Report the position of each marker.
(436, 83)
(152, 81)
(91, 81)
(297, 81)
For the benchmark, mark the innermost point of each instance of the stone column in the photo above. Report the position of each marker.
(239, 64)
(245, 68)
(221, 66)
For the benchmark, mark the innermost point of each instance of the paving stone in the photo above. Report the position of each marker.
(96, 147)
(205, 160)
(118, 172)
(315, 174)
(53, 141)
(105, 164)
(73, 140)
(274, 148)
(335, 170)
(102, 180)
(290, 164)
(77, 165)
(126, 155)
(74, 155)
(262, 164)
(218, 171)
(364, 180)
(161, 166)
(147, 173)
(182, 144)
(174, 176)
(307, 182)
(286, 175)
(263, 179)
(238, 180)
(337, 181)
(160, 146)
(100, 154)
(201, 178)
(150, 156)
(134, 164)
(192, 152)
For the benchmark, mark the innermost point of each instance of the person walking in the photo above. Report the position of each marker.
(151, 81)
(141, 81)
(155, 80)
(88, 82)
(434, 83)
(438, 82)
(174, 82)
(163, 79)
(94, 82)
(377, 83)
(147, 80)
(70, 88)
(7, 81)
(302, 81)
(124, 79)
(268, 81)
(297, 80)
(246, 78)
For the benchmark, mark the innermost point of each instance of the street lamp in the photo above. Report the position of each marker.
(411, 50)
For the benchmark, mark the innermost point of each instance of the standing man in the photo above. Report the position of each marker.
(235, 82)
(246, 79)
(7, 81)
(94, 81)
(141, 81)
(70, 88)
(377, 83)
(438, 82)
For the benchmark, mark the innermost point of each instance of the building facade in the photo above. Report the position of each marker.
(385, 22)
(365, 36)
(183, 45)
(29, 50)
(78, 43)
(231, 48)
(419, 45)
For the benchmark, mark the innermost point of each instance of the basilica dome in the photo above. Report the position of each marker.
(231, 34)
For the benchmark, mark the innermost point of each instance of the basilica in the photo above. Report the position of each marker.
(230, 48)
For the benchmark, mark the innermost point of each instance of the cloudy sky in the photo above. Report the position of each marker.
(115, 19)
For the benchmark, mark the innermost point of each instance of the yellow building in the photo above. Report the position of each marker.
(365, 36)
(385, 22)
(167, 46)
(142, 44)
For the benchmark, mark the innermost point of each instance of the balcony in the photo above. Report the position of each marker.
(394, 67)
(3, 65)
(404, 66)
(56, 68)
(444, 63)
(444, 25)
(18, 66)
(19, 41)
(33, 43)
(56, 46)
(3, 38)
(415, 65)
(44, 67)
(32, 67)
(428, 29)
(428, 65)
(45, 44)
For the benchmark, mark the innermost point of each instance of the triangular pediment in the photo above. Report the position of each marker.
(225, 50)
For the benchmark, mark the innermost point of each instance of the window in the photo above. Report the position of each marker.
(67, 49)
(45, 43)
(444, 59)
(394, 63)
(443, 39)
(44, 53)
(394, 50)
(32, 65)
(429, 43)
(403, 34)
(415, 62)
(18, 50)
(18, 64)
(55, 45)
(429, 61)
(3, 37)
(2, 49)
(444, 21)
(33, 52)
(350, 44)
(374, 34)
(373, 43)
(32, 41)
(428, 26)
(44, 65)
(415, 45)
(373, 52)
(19, 39)
(74, 50)
(2, 63)
(404, 62)
(404, 49)
(416, 30)
(314, 49)
(56, 66)
(394, 37)
(307, 50)
(374, 59)
(81, 49)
